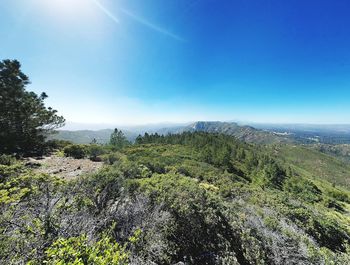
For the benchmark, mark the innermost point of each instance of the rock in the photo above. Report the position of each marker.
(32, 165)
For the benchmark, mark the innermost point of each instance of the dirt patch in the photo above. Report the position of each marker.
(64, 167)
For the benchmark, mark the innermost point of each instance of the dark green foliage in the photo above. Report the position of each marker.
(111, 158)
(118, 140)
(75, 150)
(328, 232)
(57, 144)
(270, 175)
(7, 160)
(95, 151)
(104, 187)
(339, 195)
(227, 153)
(24, 120)
(200, 231)
(332, 203)
(303, 188)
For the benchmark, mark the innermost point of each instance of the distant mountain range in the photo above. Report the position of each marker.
(244, 133)
(260, 133)
(84, 136)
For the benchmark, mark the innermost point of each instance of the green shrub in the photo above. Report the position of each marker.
(198, 220)
(57, 144)
(271, 175)
(75, 150)
(327, 231)
(334, 204)
(111, 158)
(304, 189)
(7, 160)
(272, 223)
(10, 171)
(94, 152)
(77, 250)
(339, 195)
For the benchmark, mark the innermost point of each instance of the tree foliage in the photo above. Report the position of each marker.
(118, 139)
(25, 121)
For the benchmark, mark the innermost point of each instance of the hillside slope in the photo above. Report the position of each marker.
(314, 164)
(195, 198)
(244, 133)
(262, 134)
(340, 151)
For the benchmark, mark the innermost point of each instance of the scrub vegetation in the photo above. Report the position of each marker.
(197, 198)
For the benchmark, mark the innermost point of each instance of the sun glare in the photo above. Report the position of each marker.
(68, 10)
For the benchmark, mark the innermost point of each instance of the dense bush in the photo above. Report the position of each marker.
(339, 195)
(304, 189)
(111, 158)
(75, 150)
(57, 144)
(7, 160)
(95, 151)
(77, 250)
(200, 230)
(271, 175)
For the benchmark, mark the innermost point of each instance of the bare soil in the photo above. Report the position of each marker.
(64, 167)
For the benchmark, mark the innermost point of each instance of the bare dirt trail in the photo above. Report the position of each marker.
(64, 167)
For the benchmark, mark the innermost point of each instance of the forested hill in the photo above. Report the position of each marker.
(275, 133)
(244, 133)
(323, 135)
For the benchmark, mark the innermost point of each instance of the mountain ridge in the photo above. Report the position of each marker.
(244, 133)
(259, 134)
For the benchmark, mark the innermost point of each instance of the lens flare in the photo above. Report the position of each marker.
(68, 10)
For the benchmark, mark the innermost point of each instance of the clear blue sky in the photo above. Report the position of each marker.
(137, 61)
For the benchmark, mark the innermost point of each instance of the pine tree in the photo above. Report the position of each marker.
(118, 139)
(25, 121)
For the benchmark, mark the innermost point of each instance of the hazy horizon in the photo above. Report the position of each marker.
(75, 126)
